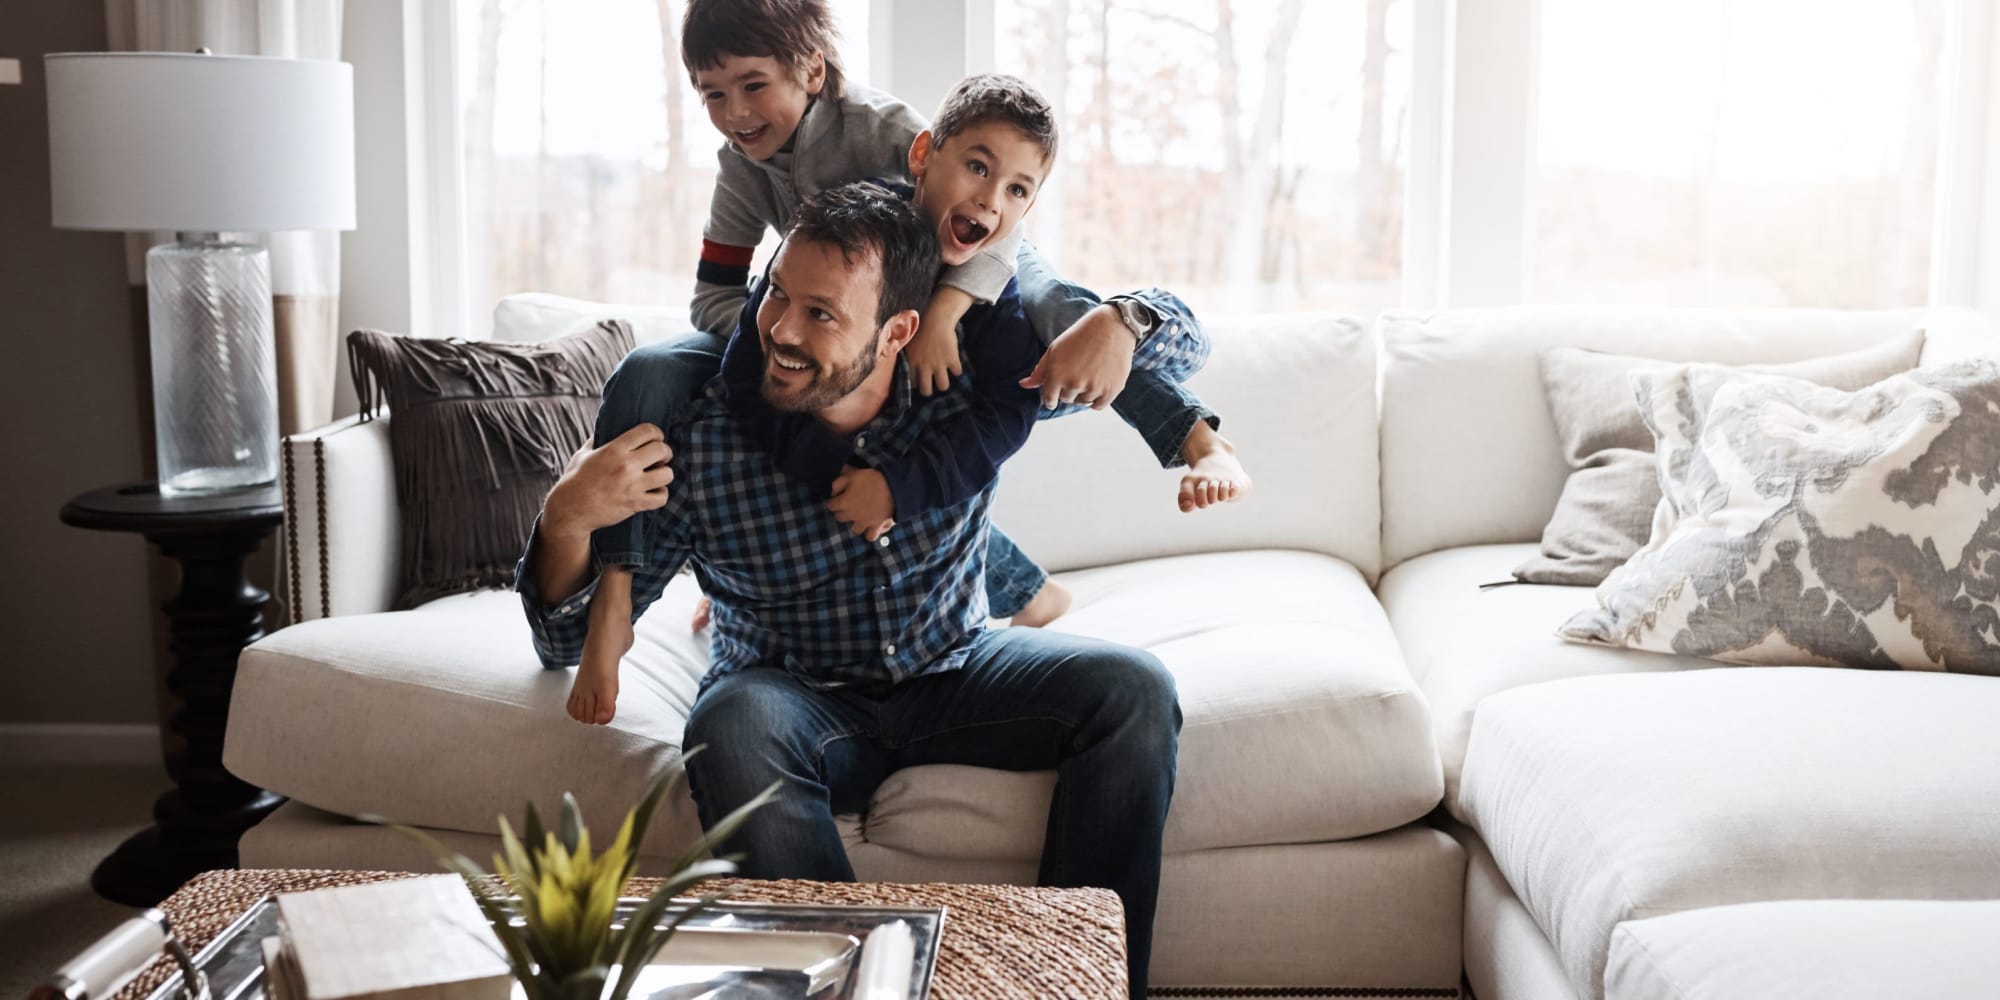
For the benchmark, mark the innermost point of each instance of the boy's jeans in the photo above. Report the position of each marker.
(1155, 401)
(658, 384)
(1104, 717)
(655, 384)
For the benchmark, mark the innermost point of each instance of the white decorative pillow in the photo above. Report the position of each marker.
(1806, 525)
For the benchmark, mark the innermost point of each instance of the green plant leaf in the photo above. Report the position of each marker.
(572, 823)
(643, 937)
(520, 867)
(642, 814)
(705, 847)
(532, 830)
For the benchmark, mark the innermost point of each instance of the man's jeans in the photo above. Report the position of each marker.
(1104, 717)
(658, 384)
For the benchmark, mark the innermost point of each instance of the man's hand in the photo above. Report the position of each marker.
(1088, 364)
(933, 352)
(861, 500)
(600, 487)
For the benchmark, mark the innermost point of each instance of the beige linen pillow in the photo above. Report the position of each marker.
(482, 430)
(1606, 507)
(1806, 525)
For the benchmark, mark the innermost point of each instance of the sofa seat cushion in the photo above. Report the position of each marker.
(1606, 799)
(441, 716)
(1300, 723)
(1822, 949)
(1463, 643)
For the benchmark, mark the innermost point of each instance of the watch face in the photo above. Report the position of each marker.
(1136, 316)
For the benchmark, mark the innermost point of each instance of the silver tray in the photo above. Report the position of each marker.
(234, 962)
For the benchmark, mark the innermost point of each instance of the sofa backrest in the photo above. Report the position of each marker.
(1469, 452)
(1296, 395)
(535, 316)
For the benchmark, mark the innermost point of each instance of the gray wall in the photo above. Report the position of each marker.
(82, 644)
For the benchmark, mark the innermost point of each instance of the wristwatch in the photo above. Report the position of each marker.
(1138, 316)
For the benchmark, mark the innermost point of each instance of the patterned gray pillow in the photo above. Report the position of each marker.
(1606, 507)
(1805, 525)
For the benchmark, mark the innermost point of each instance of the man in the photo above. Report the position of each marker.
(838, 659)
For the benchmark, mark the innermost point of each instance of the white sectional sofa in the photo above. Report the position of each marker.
(1341, 671)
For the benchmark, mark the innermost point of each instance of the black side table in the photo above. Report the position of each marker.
(214, 615)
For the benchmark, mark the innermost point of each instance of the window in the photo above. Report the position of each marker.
(588, 157)
(1737, 152)
(1269, 155)
(1248, 154)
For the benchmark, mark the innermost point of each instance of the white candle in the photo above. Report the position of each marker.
(885, 963)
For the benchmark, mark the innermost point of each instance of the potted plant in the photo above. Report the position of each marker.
(553, 903)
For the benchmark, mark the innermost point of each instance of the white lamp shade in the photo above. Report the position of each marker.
(200, 143)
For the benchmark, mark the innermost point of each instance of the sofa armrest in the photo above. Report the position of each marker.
(341, 520)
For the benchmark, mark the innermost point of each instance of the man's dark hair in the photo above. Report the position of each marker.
(866, 220)
(997, 97)
(789, 31)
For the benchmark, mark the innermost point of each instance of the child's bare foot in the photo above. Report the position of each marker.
(593, 696)
(1213, 474)
(703, 611)
(1048, 605)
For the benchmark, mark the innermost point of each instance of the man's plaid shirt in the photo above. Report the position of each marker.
(792, 587)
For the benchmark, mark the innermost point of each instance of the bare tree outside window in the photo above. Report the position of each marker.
(1737, 152)
(1248, 154)
(589, 158)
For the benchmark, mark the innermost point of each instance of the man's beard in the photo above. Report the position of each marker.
(825, 387)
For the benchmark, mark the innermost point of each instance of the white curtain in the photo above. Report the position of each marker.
(305, 267)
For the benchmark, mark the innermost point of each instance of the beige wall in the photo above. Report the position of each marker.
(81, 646)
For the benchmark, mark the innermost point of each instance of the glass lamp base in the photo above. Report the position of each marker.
(215, 374)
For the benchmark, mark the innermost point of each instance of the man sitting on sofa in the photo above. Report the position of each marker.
(837, 660)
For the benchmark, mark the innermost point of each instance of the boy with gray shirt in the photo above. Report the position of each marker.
(773, 87)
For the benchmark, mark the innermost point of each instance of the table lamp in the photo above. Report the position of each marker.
(204, 145)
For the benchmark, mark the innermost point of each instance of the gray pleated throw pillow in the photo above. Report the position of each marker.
(1810, 526)
(480, 432)
(1606, 509)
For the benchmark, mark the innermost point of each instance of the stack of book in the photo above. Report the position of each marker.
(411, 939)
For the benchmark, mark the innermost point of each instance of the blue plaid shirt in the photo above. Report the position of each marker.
(792, 587)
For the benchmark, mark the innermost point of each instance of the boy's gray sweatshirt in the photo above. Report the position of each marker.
(862, 135)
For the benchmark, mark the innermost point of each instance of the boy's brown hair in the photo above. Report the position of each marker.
(789, 31)
(997, 97)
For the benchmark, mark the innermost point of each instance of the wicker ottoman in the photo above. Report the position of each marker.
(999, 941)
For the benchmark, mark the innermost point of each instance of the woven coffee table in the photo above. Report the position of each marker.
(999, 941)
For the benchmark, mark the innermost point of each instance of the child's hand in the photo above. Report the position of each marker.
(1088, 364)
(933, 352)
(861, 500)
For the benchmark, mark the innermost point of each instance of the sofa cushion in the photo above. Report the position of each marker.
(1823, 949)
(1462, 398)
(1085, 491)
(481, 433)
(1463, 643)
(1296, 394)
(1300, 723)
(1802, 524)
(1605, 512)
(528, 317)
(1606, 799)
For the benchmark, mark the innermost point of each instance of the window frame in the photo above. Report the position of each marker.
(1468, 234)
